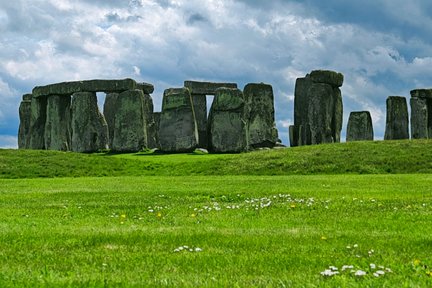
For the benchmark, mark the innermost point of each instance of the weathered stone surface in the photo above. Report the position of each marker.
(58, 130)
(152, 137)
(419, 118)
(89, 128)
(109, 111)
(359, 127)
(421, 93)
(68, 88)
(228, 122)
(37, 123)
(332, 78)
(147, 88)
(206, 88)
(397, 119)
(200, 108)
(178, 130)
(24, 127)
(293, 137)
(154, 131)
(318, 108)
(262, 126)
(27, 97)
(130, 124)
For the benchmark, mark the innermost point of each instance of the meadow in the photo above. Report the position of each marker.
(345, 215)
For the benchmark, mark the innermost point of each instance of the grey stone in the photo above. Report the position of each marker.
(293, 136)
(109, 111)
(58, 130)
(419, 118)
(68, 88)
(228, 122)
(154, 131)
(206, 88)
(27, 97)
(37, 123)
(359, 127)
(262, 126)
(130, 124)
(332, 78)
(89, 128)
(147, 88)
(397, 119)
(421, 93)
(200, 108)
(178, 130)
(24, 126)
(318, 108)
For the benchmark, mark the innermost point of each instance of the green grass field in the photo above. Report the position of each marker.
(226, 222)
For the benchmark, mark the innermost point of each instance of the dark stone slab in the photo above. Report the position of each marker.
(109, 111)
(397, 119)
(24, 127)
(332, 78)
(359, 127)
(147, 88)
(421, 93)
(206, 88)
(68, 88)
(37, 123)
(200, 108)
(419, 118)
(58, 131)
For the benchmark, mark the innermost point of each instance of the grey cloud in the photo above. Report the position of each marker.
(196, 18)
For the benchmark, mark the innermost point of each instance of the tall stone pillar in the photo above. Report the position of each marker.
(359, 127)
(109, 112)
(421, 113)
(37, 123)
(58, 130)
(200, 108)
(24, 127)
(178, 130)
(89, 128)
(228, 122)
(397, 119)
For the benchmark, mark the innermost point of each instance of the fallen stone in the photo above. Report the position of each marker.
(89, 128)
(58, 131)
(178, 130)
(262, 126)
(206, 88)
(68, 88)
(228, 122)
(360, 127)
(24, 127)
(419, 118)
(397, 119)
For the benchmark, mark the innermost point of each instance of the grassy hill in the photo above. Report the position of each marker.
(379, 157)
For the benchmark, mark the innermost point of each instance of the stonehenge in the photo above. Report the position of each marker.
(318, 109)
(359, 127)
(421, 108)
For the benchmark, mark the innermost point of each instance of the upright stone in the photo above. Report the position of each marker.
(110, 110)
(359, 127)
(397, 119)
(228, 122)
(154, 132)
(89, 128)
(152, 138)
(178, 130)
(262, 126)
(419, 118)
(318, 108)
(24, 127)
(37, 123)
(130, 125)
(58, 130)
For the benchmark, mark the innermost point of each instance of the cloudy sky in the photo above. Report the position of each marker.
(383, 47)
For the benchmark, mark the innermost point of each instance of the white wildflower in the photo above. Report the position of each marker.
(329, 273)
(372, 266)
(345, 267)
(360, 273)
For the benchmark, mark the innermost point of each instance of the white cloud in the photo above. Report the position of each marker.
(8, 142)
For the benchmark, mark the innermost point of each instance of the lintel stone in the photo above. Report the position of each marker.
(421, 93)
(206, 88)
(68, 88)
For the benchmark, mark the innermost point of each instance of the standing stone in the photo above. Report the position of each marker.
(419, 118)
(262, 126)
(318, 108)
(152, 141)
(360, 127)
(24, 127)
(89, 128)
(200, 108)
(228, 122)
(397, 119)
(58, 123)
(130, 125)
(154, 132)
(37, 123)
(178, 130)
(109, 112)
